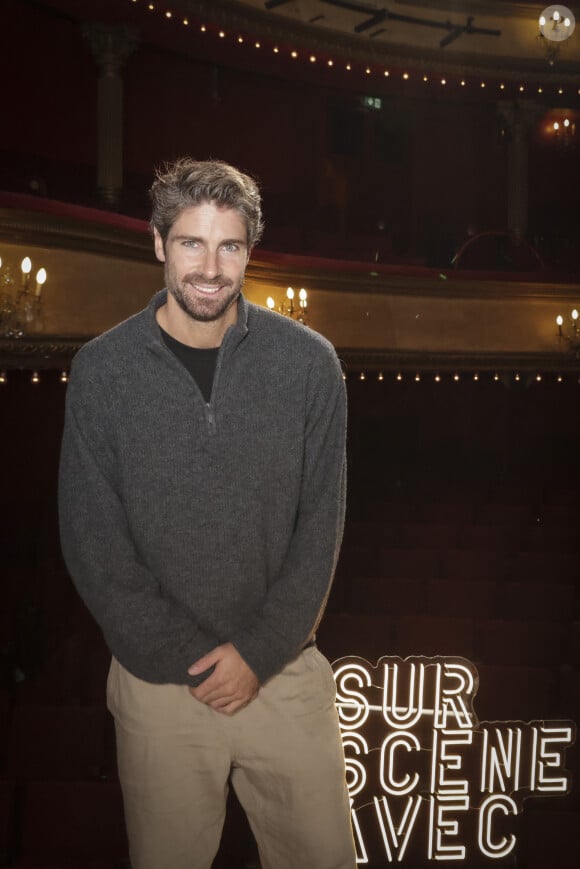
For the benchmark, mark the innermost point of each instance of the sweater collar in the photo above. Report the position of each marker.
(233, 336)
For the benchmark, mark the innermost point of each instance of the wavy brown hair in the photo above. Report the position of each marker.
(186, 183)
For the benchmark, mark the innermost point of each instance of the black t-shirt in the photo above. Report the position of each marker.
(199, 362)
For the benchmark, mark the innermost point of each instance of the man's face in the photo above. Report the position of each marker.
(205, 256)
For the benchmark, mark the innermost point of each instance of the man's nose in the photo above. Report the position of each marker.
(210, 263)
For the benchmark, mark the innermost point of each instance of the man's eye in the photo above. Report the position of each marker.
(189, 243)
(230, 248)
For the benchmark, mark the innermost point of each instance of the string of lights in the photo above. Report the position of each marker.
(496, 377)
(49, 375)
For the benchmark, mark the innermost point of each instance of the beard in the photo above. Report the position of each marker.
(204, 309)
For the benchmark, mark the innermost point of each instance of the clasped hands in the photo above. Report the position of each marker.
(231, 685)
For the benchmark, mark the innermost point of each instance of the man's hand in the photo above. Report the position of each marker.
(231, 686)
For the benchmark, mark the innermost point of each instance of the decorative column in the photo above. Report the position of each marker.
(110, 46)
(518, 118)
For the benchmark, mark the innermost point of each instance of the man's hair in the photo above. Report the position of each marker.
(186, 183)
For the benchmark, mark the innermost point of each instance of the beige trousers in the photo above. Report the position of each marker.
(283, 753)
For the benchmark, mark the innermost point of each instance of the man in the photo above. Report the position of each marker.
(202, 504)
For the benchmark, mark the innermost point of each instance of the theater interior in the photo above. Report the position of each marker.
(420, 170)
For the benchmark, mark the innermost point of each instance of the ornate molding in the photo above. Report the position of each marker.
(433, 283)
(19, 226)
(34, 352)
(56, 352)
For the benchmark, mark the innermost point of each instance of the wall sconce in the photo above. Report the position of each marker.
(287, 308)
(564, 131)
(557, 128)
(568, 331)
(20, 309)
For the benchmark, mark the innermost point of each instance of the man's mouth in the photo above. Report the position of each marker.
(207, 287)
(205, 290)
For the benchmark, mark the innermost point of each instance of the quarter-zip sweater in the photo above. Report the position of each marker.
(187, 524)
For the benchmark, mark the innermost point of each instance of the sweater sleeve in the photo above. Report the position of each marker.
(297, 596)
(147, 632)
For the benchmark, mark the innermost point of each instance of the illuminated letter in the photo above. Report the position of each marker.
(453, 699)
(403, 715)
(443, 761)
(361, 851)
(501, 762)
(354, 768)
(439, 828)
(543, 759)
(392, 835)
(388, 782)
(353, 708)
(487, 846)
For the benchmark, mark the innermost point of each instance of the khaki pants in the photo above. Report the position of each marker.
(283, 753)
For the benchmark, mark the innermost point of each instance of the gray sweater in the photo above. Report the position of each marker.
(186, 525)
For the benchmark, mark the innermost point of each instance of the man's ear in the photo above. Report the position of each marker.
(159, 246)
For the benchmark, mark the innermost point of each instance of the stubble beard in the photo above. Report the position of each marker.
(203, 310)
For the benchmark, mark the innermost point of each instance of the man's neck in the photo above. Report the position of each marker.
(195, 333)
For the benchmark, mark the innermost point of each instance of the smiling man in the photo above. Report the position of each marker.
(202, 502)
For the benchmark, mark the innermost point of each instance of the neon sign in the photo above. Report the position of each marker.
(427, 780)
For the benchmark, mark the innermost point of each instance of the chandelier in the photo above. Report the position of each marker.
(287, 307)
(20, 303)
(556, 25)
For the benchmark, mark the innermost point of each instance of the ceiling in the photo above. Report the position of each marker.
(482, 34)
(489, 39)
